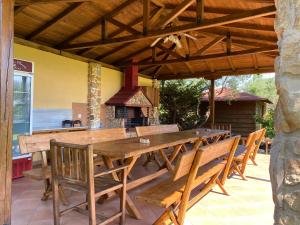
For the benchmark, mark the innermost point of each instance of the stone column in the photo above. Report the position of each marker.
(94, 95)
(285, 154)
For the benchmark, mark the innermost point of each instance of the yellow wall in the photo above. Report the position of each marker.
(111, 83)
(58, 81)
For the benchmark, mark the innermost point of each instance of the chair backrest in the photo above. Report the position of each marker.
(70, 162)
(259, 135)
(41, 142)
(156, 129)
(222, 126)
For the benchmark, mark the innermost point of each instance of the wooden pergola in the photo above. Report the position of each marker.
(231, 38)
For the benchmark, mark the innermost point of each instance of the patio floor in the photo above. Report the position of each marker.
(250, 202)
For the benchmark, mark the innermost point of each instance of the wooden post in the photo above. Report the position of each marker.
(6, 97)
(212, 102)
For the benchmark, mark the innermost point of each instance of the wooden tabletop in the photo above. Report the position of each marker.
(130, 147)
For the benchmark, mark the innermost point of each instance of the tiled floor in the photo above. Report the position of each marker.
(250, 202)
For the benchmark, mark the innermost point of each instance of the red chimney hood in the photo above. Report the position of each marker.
(131, 94)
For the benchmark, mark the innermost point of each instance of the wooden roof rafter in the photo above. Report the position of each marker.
(247, 15)
(32, 2)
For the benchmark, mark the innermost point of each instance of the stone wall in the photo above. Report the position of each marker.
(94, 95)
(285, 154)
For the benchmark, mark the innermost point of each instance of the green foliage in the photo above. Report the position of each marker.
(179, 102)
(268, 122)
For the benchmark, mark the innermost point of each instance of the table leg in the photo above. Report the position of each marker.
(130, 206)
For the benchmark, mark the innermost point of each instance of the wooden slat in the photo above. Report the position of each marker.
(6, 107)
(247, 15)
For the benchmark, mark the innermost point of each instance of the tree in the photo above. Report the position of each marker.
(180, 101)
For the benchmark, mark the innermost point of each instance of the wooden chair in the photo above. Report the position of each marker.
(246, 152)
(152, 130)
(73, 168)
(200, 167)
(40, 144)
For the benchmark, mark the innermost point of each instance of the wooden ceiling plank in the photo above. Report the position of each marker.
(95, 23)
(175, 13)
(131, 55)
(112, 51)
(216, 74)
(170, 51)
(255, 62)
(31, 2)
(53, 21)
(146, 15)
(247, 15)
(211, 56)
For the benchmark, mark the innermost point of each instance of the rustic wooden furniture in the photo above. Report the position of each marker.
(155, 129)
(40, 144)
(201, 166)
(131, 149)
(246, 152)
(73, 168)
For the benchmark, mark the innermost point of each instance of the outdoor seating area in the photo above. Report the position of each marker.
(163, 112)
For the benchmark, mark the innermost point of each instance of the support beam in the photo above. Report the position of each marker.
(19, 9)
(123, 26)
(216, 74)
(131, 55)
(212, 102)
(146, 16)
(31, 2)
(210, 45)
(103, 29)
(6, 107)
(211, 56)
(54, 21)
(177, 11)
(247, 15)
(199, 11)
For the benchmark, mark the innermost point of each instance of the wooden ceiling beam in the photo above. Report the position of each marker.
(199, 11)
(54, 21)
(244, 26)
(31, 2)
(95, 23)
(131, 55)
(123, 26)
(210, 45)
(112, 51)
(175, 13)
(216, 74)
(211, 56)
(247, 15)
(146, 16)
(19, 9)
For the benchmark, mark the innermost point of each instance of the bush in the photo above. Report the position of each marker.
(268, 122)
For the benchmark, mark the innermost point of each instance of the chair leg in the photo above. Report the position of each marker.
(48, 190)
(56, 212)
(237, 169)
(62, 195)
(166, 218)
(222, 187)
(92, 208)
(253, 160)
(123, 198)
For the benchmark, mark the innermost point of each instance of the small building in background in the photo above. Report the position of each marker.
(240, 109)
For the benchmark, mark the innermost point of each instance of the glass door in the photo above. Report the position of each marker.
(22, 109)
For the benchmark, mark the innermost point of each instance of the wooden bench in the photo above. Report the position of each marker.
(246, 152)
(40, 144)
(200, 167)
(152, 130)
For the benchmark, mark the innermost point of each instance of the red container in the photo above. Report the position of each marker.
(20, 165)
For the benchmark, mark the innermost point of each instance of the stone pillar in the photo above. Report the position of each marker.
(94, 95)
(285, 154)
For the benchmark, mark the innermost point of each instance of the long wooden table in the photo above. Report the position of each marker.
(131, 149)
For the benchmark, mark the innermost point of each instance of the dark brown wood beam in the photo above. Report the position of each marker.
(104, 29)
(216, 74)
(6, 107)
(31, 2)
(243, 26)
(210, 56)
(19, 9)
(199, 11)
(175, 13)
(95, 23)
(247, 15)
(123, 26)
(210, 45)
(146, 15)
(54, 21)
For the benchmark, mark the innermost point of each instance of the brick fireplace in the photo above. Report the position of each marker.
(130, 106)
